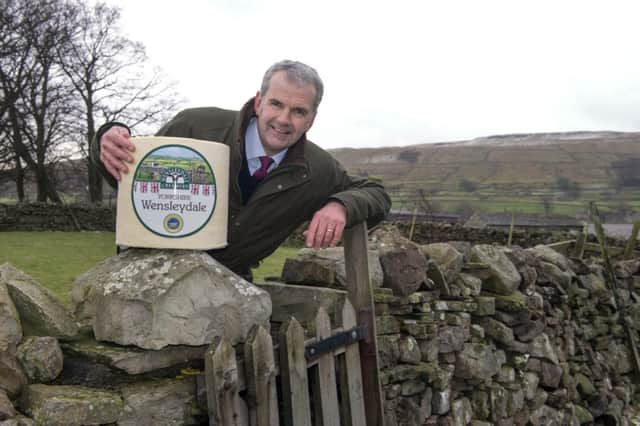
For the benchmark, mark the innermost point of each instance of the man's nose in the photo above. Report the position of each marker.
(284, 117)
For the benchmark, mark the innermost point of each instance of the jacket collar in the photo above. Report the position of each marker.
(295, 154)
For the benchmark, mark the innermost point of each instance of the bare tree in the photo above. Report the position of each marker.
(111, 76)
(35, 99)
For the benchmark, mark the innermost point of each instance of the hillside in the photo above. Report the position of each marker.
(556, 168)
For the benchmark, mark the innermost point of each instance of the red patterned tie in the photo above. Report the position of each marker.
(262, 171)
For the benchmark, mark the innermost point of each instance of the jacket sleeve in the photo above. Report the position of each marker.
(94, 151)
(363, 198)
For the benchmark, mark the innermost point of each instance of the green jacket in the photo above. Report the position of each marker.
(307, 179)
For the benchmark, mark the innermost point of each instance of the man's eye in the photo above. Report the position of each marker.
(300, 112)
(275, 103)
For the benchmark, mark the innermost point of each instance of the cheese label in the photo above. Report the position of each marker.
(174, 191)
(175, 195)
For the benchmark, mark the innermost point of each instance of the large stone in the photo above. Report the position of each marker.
(499, 402)
(41, 313)
(503, 275)
(498, 331)
(525, 263)
(6, 407)
(441, 402)
(388, 351)
(155, 298)
(618, 358)
(41, 358)
(327, 266)
(461, 412)
(70, 405)
(547, 416)
(161, 402)
(447, 257)
(403, 265)
(308, 272)
(530, 382)
(471, 285)
(409, 350)
(541, 347)
(553, 274)
(11, 330)
(452, 339)
(478, 361)
(547, 254)
(131, 359)
(19, 420)
(551, 375)
(409, 412)
(12, 376)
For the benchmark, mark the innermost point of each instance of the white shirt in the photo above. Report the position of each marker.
(254, 150)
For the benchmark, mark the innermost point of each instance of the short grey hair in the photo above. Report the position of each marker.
(298, 73)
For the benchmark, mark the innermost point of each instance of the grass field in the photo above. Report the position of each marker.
(55, 259)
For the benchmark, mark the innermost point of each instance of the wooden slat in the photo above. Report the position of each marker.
(361, 296)
(260, 372)
(221, 376)
(325, 397)
(352, 407)
(293, 374)
(631, 243)
(581, 238)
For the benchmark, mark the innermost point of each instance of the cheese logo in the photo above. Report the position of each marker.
(174, 191)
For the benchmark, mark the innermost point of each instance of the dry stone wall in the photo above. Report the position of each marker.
(53, 217)
(468, 335)
(504, 336)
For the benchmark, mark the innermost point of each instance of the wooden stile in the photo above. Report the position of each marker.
(361, 295)
(293, 374)
(260, 375)
(221, 376)
(345, 384)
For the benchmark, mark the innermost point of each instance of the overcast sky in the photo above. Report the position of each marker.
(407, 72)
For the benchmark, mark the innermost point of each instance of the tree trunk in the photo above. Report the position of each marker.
(95, 182)
(94, 176)
(19, 178)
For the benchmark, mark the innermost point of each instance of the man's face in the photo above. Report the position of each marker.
(284, 113)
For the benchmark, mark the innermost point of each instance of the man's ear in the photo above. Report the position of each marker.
(313, 118)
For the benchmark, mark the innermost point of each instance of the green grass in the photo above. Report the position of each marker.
(55, 259)
(272, 265)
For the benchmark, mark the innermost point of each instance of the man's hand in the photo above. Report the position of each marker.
(326, 226)
(115, 149)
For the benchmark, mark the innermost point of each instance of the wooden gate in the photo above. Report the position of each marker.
(307, 381)
(330, 379)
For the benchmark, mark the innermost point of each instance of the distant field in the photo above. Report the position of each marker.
(553, 173)
(55, 259)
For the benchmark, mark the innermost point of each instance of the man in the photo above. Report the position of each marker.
(278, 178)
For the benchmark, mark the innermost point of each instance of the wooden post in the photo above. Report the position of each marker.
(513, 219)
(413, 222)
(361, 296)
(581, 239)
(631, 244)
